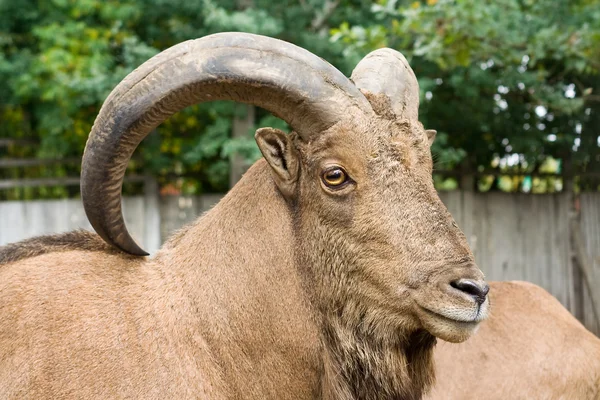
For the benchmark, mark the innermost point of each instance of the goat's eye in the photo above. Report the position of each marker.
(335, 177)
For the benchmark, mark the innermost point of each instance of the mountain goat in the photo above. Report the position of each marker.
(326, 272)
(530, 347)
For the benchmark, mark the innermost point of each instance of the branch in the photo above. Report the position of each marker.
(582, 89)
(591, 97)
(319, 21)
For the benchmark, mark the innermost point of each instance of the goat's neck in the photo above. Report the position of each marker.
(236, 266)
(364, 356)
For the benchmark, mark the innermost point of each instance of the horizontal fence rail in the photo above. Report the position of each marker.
(63, 181)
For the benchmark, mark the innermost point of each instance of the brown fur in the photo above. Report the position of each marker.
(531, 347)
(287, 289)
(76, 240)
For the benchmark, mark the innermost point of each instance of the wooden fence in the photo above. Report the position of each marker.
(513, 236)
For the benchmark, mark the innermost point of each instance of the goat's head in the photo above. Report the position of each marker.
(370, 219)
(356, 172)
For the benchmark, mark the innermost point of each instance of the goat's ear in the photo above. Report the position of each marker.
(279, 151)
(431, 135)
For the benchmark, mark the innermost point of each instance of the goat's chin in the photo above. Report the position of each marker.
(448, 329)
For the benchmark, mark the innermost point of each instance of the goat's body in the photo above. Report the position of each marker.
(96, 324)
(327, 272)
(69, 329)
(530, 348)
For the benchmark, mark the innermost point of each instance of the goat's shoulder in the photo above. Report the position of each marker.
(75, 240)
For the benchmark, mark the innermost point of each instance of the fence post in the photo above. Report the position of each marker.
(583, 268)
(243, 121)
(467, 193)
(152, 240)
(579, 254)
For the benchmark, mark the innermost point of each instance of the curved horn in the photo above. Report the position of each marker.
(386, 71)
(294, 84)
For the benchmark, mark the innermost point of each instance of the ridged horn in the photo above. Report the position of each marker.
(294, 84)
(386, 71)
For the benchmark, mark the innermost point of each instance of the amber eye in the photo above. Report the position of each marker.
(335, 177)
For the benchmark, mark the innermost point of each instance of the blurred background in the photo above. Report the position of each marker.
(511, 86)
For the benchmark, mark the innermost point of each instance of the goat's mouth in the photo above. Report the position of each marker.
(469, 315)
(452, 325)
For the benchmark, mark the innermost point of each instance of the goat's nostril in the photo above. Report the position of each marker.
(477, 289)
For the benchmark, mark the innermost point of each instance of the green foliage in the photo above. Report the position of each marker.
(498, 78)
(61, 58)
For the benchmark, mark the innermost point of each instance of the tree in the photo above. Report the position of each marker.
(508, 82)
(61, 58)
(498, 78)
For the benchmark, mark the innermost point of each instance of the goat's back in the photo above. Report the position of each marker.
(530, 348)
(89, 323)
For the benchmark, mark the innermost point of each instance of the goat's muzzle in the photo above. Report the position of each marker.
(453, 304)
